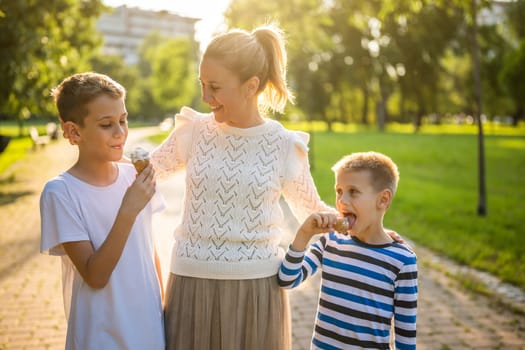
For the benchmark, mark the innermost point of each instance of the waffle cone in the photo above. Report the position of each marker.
(342, 225)
(141, 164)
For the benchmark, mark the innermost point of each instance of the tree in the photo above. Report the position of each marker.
(511, 77)
(493, 48)
(421, 35)
(128, 76)
(352, 64)
(308, 46)
(515, 13)
(511, 74)
(174, 74)
(41, 44)
(168, 75)
(482, 200)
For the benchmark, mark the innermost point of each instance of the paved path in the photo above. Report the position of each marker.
(31, 311)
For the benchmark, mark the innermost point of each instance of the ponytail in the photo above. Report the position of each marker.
(260, 53)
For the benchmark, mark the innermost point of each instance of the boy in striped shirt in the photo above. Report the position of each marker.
(367, 278)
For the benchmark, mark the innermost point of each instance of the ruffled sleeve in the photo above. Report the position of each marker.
(172, 154)
(299, 188)
(298, 154)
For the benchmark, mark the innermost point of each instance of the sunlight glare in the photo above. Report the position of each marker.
(209, 11)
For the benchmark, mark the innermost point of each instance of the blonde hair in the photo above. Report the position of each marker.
(76, 91)
(384, 172)
(260, 53)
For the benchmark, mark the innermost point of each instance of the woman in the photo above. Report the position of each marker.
(222, 292)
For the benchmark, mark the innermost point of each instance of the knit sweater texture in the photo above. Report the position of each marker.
(232, 219)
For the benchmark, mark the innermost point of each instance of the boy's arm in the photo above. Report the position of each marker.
(296, 267)
(314, 224)
(405, 310)
(96, 266)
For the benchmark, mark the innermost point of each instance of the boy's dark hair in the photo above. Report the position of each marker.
(76, 91)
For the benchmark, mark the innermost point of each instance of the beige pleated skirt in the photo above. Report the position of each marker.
(207, 314)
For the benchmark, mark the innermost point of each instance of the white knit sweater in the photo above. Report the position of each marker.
(232, 220)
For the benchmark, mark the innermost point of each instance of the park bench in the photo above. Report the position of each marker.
(52, 130)
(4, 141)
(38, 140)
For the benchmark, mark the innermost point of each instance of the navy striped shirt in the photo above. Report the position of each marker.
(363, 288)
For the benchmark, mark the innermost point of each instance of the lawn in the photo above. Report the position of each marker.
(436, 204)
(437, 199)
(18, 146)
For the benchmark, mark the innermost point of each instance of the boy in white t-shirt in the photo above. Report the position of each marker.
(97, 217)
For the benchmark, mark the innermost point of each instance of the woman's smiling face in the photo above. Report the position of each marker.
(223, 92)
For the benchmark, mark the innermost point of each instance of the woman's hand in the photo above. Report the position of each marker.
(395, 236)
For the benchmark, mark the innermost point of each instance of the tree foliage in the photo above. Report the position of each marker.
(512, 78)
(398, 60)
(115, 67)
(40, 45)
(371, 61)
(168, 71)
(512, 66)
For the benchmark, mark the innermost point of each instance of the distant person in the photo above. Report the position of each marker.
(97, 216)
(367, 278)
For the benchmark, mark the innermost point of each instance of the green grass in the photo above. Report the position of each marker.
(437, 199)
(436, 203)
(19, 146)
(17, 149)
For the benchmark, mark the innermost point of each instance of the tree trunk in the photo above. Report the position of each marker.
(382, 110)
(364, 112)
(482, 201)
(517, 116)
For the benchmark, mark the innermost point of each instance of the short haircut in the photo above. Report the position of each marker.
(383, 171)
(75, 92)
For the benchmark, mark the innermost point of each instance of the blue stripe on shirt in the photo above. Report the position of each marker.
(311, 264)
(290, 272)
(323, 345)
(356, 269)
(406, 318)
(406, 290)
(352, 327)
(356, 299)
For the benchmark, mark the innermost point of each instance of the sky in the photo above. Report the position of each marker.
(210, 11)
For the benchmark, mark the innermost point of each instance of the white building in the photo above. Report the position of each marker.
(125, 28)
(495, 14)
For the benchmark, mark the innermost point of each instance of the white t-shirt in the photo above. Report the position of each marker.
(127, 312)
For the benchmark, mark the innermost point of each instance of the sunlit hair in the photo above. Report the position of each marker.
(74, 93)
(260, 53)
(383, 171)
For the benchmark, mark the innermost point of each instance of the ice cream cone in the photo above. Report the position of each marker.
(342, 225)
(140, 159)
